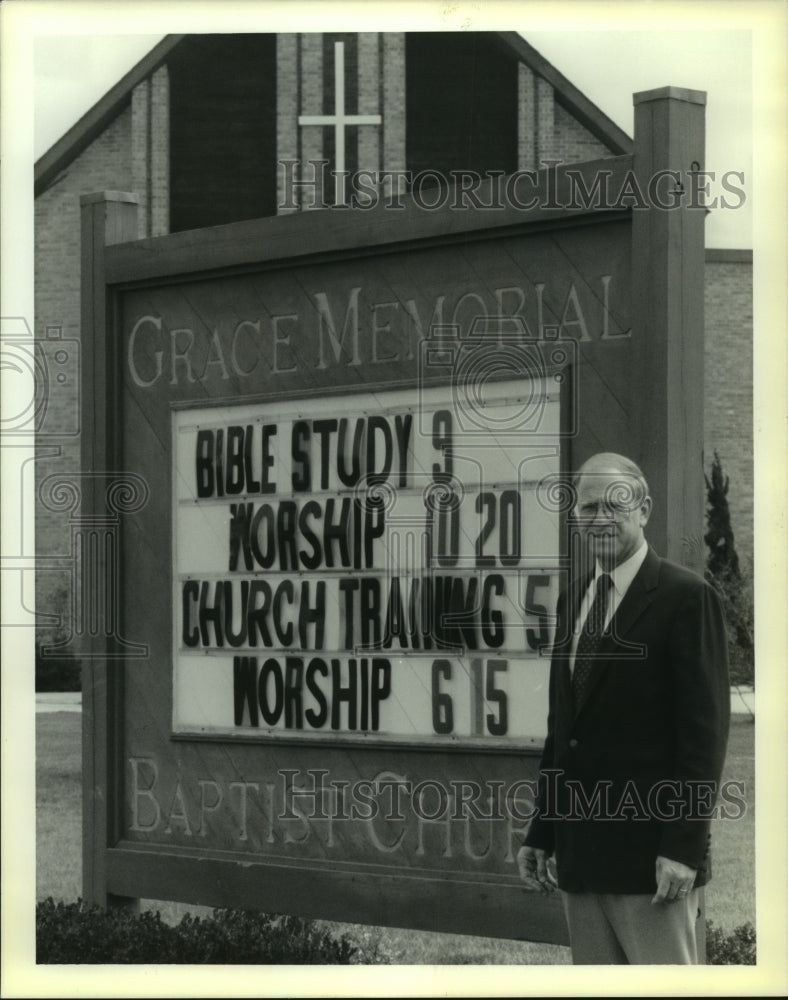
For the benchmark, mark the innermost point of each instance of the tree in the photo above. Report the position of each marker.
(722, 571)
(722, 563)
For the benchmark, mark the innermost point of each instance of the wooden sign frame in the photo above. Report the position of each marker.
(126, 855)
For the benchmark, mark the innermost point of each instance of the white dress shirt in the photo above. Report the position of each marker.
(622, 576)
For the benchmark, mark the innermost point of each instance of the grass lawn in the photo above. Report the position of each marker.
(730, 897)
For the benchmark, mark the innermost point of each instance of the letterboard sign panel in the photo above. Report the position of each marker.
(383, 573)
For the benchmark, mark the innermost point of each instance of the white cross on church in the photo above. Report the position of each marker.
(340, 120)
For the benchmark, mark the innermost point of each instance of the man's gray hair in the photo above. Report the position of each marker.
(634, 485)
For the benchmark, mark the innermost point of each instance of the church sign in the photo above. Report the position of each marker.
(330, 448)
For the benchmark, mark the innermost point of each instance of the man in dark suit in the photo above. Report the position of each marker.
(637, 732)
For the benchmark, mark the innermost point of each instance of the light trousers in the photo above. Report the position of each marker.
(627, 929)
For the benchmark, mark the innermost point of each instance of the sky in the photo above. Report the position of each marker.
(609, 64)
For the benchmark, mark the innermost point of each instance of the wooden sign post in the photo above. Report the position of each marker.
(335, 445)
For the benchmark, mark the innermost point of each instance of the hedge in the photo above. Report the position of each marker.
(736, 948)
(78, 933)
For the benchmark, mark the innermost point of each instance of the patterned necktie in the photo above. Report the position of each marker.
(589, 640)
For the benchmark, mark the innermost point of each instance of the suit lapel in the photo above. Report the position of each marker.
(637, 598)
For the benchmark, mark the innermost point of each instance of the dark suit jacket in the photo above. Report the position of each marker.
(623, 780)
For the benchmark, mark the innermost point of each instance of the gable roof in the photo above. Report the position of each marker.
(94, 121)
(104, 111)
(569, 97)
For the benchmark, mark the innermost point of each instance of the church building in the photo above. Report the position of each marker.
(213, 129)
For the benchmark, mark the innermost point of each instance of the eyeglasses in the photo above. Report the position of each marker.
(609, 511)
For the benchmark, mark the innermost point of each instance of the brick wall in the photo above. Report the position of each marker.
(150, 152)
(310, 139)
(140, 152)
(526, 118)
(546, 130)
(369, 100)
(393, 104)
(728, 386)
(287, 92)
(159, 218)
(573, 142)
(380, 85)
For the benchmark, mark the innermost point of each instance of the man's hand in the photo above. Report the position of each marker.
(532, 865)
(674, 880)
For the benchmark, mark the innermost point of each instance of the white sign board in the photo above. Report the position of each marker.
(378, 566)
